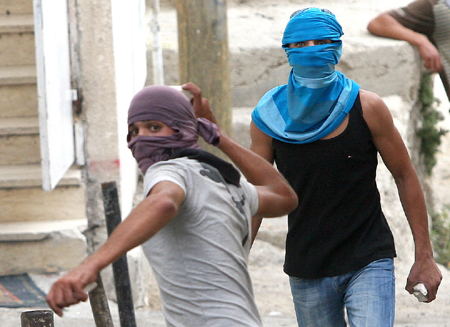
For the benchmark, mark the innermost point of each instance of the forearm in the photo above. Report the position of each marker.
(387, 26)
(156, 210)
(413, 202)
(424, 269)
(142, 223)
(393, 151)
(276, 197)
(255, 169)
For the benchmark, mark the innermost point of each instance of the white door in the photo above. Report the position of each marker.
(54, 90)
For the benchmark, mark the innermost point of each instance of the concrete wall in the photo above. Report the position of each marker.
(130, 62)
(112, 68)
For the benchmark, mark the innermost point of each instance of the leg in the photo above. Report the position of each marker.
(370, 295)
(318, 302)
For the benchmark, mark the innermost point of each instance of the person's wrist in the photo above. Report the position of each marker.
(91, 263)
(420, 40)
(421, 254)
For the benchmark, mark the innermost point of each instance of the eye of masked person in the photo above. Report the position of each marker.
(149, 128)
(309, 43)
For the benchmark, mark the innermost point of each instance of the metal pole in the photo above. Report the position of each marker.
(120, 266)
(38, 318)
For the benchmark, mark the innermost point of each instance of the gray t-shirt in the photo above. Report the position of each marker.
(200, 257)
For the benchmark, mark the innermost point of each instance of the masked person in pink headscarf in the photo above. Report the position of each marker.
(195, 221)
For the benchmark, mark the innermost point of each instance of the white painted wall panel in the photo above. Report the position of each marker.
(54, 95)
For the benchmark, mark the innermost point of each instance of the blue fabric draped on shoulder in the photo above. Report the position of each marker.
(317, 98)
(271, 116)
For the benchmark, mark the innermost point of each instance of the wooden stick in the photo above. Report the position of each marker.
(99, 305)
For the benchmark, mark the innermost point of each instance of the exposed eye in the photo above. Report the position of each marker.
(155, 127)
(297, 45)
(133, 132)
(320, 42)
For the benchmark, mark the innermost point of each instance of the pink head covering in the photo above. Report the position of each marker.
(170, 106)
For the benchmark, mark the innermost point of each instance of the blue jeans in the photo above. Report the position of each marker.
(367, 294)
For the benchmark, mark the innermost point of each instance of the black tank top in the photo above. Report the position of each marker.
(338, 226)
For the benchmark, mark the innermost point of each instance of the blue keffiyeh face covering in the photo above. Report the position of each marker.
(317, 98)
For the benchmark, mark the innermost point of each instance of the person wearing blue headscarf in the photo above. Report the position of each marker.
(324, 133)
(317, 98)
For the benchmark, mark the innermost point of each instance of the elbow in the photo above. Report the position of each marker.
(376, 24)
(372, 27)
(169, 208)
(276, 202)
(384, 25)
(288, 203)
(289, 199)
(292, 201)
(166, 207)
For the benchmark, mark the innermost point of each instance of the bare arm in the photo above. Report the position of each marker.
(261, 145)
(393, 151)
(276, 197)
(387, 26)
(153, 213)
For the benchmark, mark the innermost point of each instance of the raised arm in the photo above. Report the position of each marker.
(153, 213)
(276, 197)
(393, 151)
(387, 26)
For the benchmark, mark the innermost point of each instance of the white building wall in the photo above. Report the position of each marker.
(128, 26)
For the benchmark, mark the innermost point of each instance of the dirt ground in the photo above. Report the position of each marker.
(272, 292)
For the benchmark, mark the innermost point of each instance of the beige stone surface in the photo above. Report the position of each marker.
(62, 203)
(42, 252)
(10, 95)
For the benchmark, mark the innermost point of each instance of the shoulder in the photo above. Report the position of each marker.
(420, 7)
(172, 165)
(375, 111)
(417, 15)
(372, 103)
(174, 170)
(369, 100)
